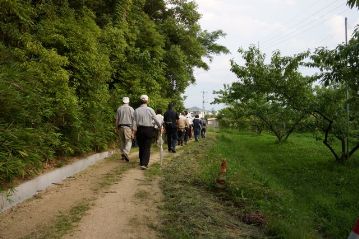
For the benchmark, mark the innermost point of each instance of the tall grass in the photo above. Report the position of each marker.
(300, 189)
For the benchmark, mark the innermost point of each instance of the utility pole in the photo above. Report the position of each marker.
(347, 92)
(203, 101)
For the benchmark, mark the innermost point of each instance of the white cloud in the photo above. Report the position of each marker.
(249, 22)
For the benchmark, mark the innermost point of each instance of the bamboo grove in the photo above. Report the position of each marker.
(65, 65)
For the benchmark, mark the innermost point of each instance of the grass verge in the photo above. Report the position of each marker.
(298, 187)
(190, 210)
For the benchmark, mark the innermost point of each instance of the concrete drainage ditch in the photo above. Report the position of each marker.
(30, 188)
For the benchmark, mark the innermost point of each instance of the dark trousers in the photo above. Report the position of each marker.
(203, 132)
(189, 132)
(181, 134)
(186, 135)
(144, 138)
(171, 137)
(197, 131)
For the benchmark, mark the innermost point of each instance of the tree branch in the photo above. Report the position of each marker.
(325, 141)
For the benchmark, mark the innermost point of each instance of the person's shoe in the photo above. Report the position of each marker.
(122, 157)
(143, 167)
(125, 157)
(173, 151)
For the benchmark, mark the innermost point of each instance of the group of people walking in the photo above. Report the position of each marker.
(144, 124)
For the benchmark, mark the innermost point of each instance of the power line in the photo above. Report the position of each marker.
(296, 33)
(306, 18)
(308, 24)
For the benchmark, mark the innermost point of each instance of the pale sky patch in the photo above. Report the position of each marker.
(292, 26)
(336, 24)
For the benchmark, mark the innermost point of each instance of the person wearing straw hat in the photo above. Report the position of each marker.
(124, 123)
(144, 130)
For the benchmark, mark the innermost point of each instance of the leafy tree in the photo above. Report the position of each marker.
(186, 45)
(271, 92)
(330, 113)
(339, 73)
(353, 3)
(65, 65)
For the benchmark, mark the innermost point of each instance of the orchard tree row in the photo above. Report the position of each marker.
(66, 64)
(274, 94)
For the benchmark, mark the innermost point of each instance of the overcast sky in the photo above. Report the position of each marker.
(291, 26)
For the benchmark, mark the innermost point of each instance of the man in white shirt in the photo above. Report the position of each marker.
(190, 125)
(124, 123)
(144, 130)
(181, 130)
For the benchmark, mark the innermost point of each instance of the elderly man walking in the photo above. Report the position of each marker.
(182, 126)
(144, 130)
(170, 120)
(124, 123)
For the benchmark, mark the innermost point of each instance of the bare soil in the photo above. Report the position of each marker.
(115, 209)
(121, 213)
(121, 201)
(125, 211)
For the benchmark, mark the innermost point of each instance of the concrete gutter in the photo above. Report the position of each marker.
(30, 188)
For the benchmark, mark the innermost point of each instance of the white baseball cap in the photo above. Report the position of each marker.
(144, 97)
(125, 100)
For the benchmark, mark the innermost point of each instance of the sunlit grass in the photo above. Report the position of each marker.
(298, 186)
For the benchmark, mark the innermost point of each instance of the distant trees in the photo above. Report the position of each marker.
(64, 66)
(278, 95)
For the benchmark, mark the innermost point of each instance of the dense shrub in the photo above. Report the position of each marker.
(65, 65)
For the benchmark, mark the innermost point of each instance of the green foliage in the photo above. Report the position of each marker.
(353, 3)
(339, 75)
(65, 65)
(300, 192)
(284, 100)
(273, 93)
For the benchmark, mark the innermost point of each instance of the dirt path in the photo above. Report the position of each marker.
(118, 203)
(127, 211)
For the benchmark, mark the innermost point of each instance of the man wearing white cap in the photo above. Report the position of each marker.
(144, 130)
(124, 125)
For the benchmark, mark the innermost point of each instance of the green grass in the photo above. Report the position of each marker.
(190, 209)
(153, 171)
(63, 223)
(300, 189)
